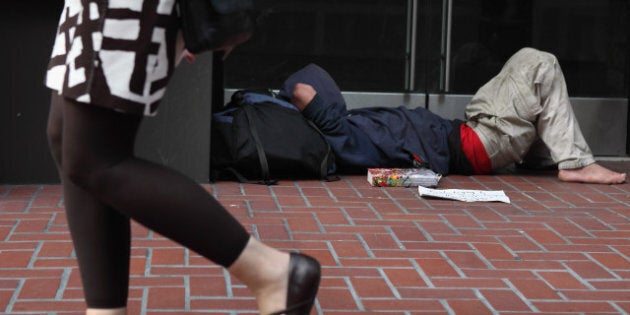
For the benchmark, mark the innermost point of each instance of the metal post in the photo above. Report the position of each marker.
(412, 32)
(447, 23)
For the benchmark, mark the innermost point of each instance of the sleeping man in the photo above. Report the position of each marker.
(522, 112)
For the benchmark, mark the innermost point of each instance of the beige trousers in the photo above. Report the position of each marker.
(525, 103)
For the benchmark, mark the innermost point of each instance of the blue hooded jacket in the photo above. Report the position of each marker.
(375, 136)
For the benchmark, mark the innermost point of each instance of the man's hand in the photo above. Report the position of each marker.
(303, 94)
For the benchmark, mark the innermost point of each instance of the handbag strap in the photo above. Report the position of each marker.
(242, 179)
(262, 157)
(323, 167)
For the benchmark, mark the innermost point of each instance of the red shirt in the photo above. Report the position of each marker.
(475, 151)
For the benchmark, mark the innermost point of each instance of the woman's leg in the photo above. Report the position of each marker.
(98, 158)
(103, 256)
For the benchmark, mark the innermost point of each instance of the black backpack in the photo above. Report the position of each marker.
(259, 138)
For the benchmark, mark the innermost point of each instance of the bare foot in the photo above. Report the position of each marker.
(593, 174)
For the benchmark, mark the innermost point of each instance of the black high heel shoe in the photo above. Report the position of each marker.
(304, 276)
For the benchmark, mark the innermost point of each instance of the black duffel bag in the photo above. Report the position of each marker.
(260, 138)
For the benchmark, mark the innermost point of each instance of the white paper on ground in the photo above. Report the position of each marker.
(465, 195)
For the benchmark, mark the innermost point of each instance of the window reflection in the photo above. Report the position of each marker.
(361, 43)
(364, 43)
(590, 38)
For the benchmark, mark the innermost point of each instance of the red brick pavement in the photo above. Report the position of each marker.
(558, 248)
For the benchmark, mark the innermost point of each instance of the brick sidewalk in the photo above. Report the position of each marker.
(558, 248)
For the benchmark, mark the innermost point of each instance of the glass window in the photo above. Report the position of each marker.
(459, 44)
(589, 37)
(362, 43)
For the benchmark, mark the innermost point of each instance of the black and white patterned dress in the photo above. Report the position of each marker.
(115, 53)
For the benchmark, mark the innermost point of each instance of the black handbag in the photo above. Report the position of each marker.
(216, 24)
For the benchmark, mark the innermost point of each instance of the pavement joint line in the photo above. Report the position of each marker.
(483, 258)
(577, 276)
(499, 214)
(287, 228)
(63, 283)
(610, 271)
(423, 200)
(508, 184)
(567, 202)
(241, 188)
(484, 301)
(61, 202)
(33, 259)
(51, 223)
(389, 283)
(274, 197)
(11, 231)
(618, 308)
(302, 194)
(148, 262)
(145, 301)
(616, 251)
(453, 265)
(604, 223)
(187, 297)
(376, 213)
(536, 273)
(353, 188)
(333, 253)
(480, 183)
(426, 234)
(446, 222)
(521, 295)
(447, 307)
(365, 245)
(254, 231)
(507, 248)
(393, 235)
(186, 256)
(552, 230)
(318, 307)
(472, 217)
(422, 274)
(330, 193)
(248, 206)
(14, 296)
(354, 294)
(320, 226)
(228, 283)
(347, 216)
(531, 239)
(580, 227)
(34, 196)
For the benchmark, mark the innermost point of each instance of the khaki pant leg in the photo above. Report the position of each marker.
(527, 100)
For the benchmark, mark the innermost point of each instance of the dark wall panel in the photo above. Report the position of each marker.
(178, 136)
(27, 29)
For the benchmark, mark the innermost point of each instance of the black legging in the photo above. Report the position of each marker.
(105, 185)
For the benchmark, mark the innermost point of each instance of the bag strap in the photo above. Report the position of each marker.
(242, 179)
(262, 157)
(323, 168)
